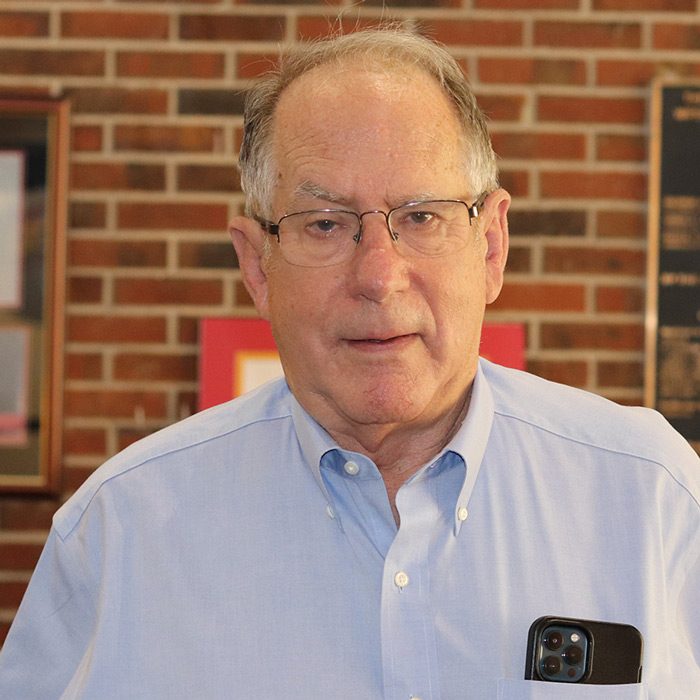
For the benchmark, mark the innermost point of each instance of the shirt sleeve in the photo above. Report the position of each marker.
(52, 628)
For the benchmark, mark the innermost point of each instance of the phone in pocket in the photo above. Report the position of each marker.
(567, 650)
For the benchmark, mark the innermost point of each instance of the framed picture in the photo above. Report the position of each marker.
(33, 160)
(673, 290)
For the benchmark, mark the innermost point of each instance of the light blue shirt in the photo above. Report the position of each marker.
(242, 555)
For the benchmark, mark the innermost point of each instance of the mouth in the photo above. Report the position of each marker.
(393, 342)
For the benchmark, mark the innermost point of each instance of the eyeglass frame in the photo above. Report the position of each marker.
(473, 210)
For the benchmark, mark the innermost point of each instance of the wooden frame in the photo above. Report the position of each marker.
(33, 138)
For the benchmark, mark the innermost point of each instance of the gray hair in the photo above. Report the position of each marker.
(392, 47)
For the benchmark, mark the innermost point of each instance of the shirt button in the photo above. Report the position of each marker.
(329, 513)
(462, 513)
(401, 579)
(351, 468)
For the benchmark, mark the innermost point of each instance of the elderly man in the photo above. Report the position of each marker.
(390, 520)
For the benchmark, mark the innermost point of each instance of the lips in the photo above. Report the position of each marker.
(388, 341)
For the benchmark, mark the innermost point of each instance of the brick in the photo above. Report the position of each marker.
(538, 146)
(115, 25)
(218, 27)
(115, 329)
(168, 291)
(128, 436)
(190, 139)
(19, 555)
(588, 34)
(83, 365)
(117, 176)
(94, 100)
(151, 367)
(188, 331)
(540, 297)
(219, 102)
(315, 27)
(677, 37)
(74, 477)
(527, 4)
(106, 253)
(517, 182)
(564, 372)
(87, 215)
(628, 375)
(502, 107)
(24, 24)
(592, 336)
(85, 290)
(22, 514)
(621, 224)
(208, 178)
(619, 299)
(603, 185)
(54, 62)
(602, 261)
(85, 441)
(253, 65)
(532, 71)
(171, 215)
(207, 255)
(114, 403)
(646, 5)
(547, 222)
(621, 147)
(170, 64)
(187, 402)
(607, 110)
(86, 138)
(11, 593)
(474, 32)
(519, 259)
(408, 3)
(242, 296)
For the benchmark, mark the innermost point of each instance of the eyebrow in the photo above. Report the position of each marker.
(308, 188)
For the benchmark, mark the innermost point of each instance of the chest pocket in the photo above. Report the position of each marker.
(540, 690)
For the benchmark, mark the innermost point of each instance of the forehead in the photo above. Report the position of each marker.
(344, 122)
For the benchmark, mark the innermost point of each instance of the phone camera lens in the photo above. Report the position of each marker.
(554, 640)
(573, 655)
(551, 665)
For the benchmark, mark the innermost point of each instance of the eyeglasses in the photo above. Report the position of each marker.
(321, 237)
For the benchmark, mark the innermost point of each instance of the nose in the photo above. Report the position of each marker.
(378, 269)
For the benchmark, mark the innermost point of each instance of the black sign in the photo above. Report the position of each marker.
(673, 312)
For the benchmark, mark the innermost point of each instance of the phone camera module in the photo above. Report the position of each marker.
(563, 654)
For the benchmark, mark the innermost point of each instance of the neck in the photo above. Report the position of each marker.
(399, 451)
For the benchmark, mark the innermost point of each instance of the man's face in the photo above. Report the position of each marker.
(381, 340)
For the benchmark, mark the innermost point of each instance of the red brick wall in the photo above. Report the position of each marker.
(156, 89)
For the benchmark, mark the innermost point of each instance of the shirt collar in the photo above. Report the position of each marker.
(469, 442)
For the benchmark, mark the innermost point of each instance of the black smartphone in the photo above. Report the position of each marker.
(566, 650)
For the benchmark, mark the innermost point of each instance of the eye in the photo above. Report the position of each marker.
(324, 226)
(419, 218)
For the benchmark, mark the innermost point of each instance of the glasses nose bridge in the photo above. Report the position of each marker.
(386, 221)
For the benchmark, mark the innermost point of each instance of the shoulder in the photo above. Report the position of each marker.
(578, 416)
(219, 427)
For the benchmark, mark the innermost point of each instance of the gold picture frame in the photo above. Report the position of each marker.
(33, 199)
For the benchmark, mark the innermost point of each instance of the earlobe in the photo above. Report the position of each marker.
(496, 234)
(248, 241)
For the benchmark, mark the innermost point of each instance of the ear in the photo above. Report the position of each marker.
(496, 233)
(247, 239)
